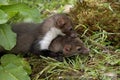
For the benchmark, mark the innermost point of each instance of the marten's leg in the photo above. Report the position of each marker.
(59, 56)
(47, 53)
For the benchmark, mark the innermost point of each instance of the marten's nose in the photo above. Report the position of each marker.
(86, 51)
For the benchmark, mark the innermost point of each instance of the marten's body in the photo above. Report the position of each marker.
(27, 33)
(36, 37)
(42, 34)
(61, 46)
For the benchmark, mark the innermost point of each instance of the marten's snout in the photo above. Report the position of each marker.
(86, 51)
(83, 50)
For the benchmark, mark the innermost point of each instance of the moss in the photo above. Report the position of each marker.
(96, 16)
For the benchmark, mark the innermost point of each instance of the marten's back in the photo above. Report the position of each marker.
(57, 44)
(26, 34)
(24, 27)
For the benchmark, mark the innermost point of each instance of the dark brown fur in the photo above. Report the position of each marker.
(35, 32)
(69, 46)
(60, 21)
(28, 34)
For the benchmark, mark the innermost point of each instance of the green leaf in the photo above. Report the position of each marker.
(30, 14)
(10, 58)
(7, 37)
(13, 72)
(3, 2)
(3, 17)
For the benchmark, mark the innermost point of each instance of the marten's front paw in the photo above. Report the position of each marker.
(59, 56)
(47, 53)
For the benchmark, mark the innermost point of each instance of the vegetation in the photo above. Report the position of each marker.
(97, 22)
(14, 68)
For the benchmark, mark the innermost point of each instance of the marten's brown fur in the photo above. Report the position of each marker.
(29, 35)
(62, 46)
(69, 46)
(42, 34)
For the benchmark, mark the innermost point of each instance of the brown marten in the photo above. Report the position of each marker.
(42, 34)
(36, 37)
(68, 45)
(65, 46)
(61, 46)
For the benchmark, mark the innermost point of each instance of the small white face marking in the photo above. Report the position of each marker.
(49, 36)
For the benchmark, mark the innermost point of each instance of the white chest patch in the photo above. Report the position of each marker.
(49, 36)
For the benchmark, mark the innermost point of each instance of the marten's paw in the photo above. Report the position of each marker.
(59, 56)
(47, 53)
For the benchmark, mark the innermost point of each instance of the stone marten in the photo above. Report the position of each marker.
(61, 46)
(42, 34)
(37, 37)
(64, 46)
(68, 45)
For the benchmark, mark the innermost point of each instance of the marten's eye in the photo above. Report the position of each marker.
(70, 29)
(79, 48)
(64, 24)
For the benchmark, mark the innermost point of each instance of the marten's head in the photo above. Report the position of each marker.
(63, 22)
(74, 46)
(69, 46)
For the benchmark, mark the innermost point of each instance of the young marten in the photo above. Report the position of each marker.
(64, 46)
(68, 45)
(61, 46)
(36, 37)
(42, 34)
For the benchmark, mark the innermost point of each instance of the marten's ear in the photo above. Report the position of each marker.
(60, 22)
(67, 48)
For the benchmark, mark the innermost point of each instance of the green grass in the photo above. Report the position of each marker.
(48, 7)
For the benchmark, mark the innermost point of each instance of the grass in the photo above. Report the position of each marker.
(103, 61)
(48, 7)
(100, 64)
(96, 22)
